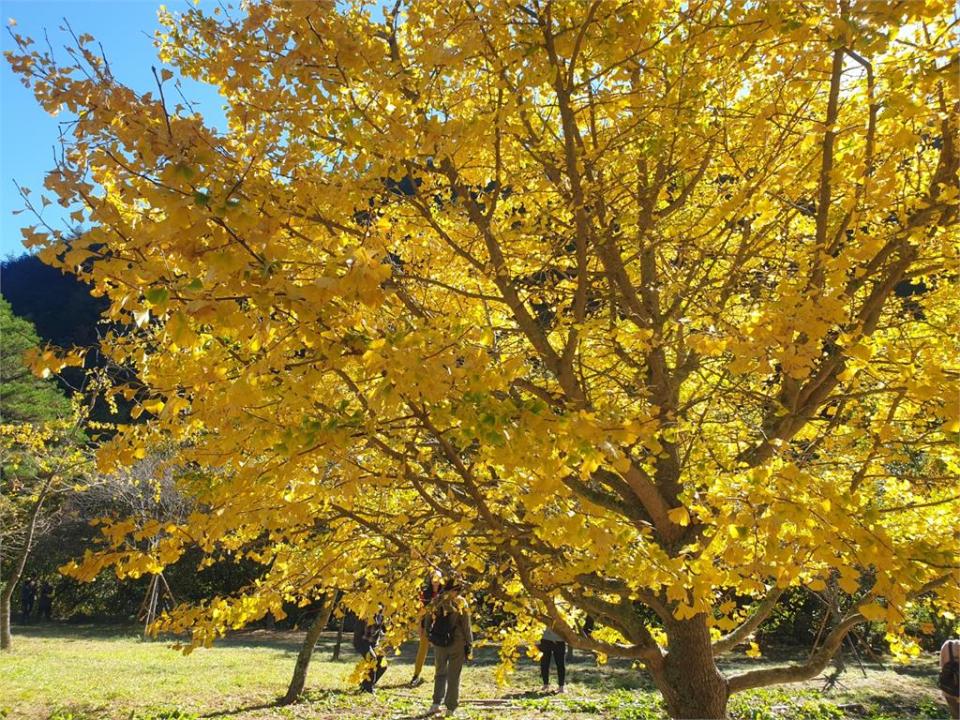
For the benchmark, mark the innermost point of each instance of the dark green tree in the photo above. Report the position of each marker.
(41, 452)
(23, 396)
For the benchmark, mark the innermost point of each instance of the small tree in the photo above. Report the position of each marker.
(40, 455)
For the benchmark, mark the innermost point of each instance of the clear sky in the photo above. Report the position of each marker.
(27, 134)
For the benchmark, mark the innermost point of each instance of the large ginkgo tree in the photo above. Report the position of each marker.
(641, 310)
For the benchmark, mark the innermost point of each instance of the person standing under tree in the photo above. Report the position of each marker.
(45, 601)
(949, 680)
(431, 590)
(452, 639)
(28, 593)
(366, 638)
(552, 645)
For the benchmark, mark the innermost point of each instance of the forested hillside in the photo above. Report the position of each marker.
(59, 305)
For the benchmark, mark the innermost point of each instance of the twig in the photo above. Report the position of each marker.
(163, 102)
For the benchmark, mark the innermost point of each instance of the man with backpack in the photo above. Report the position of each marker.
(949, 680)
(452, 638)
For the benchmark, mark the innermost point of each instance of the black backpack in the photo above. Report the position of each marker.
(360, 642)
(949, 680)
(441, 629)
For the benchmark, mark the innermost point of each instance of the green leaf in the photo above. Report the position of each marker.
(157, 295)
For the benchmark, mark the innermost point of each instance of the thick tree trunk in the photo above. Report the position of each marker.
(306, 652)
(6, 639)
(689, 680)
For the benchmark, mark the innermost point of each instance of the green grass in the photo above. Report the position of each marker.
(61, 672)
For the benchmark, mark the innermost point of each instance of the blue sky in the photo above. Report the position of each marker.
(27, 133)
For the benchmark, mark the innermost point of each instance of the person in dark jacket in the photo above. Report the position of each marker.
(45, 601)
(950, 653)
(451, 648)
(366, 641)
(431, 589)
(28, 594)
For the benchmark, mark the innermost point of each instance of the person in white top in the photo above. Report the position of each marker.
(949, 680)
(552, 645)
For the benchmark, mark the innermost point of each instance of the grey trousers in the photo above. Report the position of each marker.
(446, 681)
(954, 705)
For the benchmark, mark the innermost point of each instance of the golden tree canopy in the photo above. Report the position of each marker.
(627, 304)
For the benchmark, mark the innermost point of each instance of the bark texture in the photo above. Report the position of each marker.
(6, 597)
(299, 679)
(6, 639)
(339, 642)
(688, 678)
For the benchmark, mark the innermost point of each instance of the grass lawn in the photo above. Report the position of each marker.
(67, 672)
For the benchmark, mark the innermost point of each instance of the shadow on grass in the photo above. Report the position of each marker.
(78, 631)
(527, 695)
(583, 668)
(320, 697)
(400, 685)
(243, 709)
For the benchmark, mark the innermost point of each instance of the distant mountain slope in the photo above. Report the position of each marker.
(59, 305)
